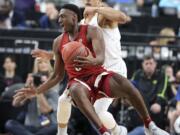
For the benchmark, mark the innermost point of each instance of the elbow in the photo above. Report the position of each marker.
(124, 19)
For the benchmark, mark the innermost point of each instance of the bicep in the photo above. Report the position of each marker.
(58, 64)
(106, 23)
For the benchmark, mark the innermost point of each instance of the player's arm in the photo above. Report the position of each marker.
(43, 54)
(58, 73)
(108, 13)
(53, 80)
(97, 39)
(95, 36)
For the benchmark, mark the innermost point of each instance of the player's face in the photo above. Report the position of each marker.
(93, 3)
(149, 66)
(66, 20)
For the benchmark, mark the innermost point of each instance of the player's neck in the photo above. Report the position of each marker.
(74, 33)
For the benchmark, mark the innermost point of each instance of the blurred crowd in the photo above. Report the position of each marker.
(158, 84)
(44, 13)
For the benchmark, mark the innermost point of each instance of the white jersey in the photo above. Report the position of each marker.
(113, 59)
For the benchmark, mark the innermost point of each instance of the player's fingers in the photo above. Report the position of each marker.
(21, 90)
(35, 51)
(24, 100)
(18, 94)
(35, 55)
(79, 65)
(81, 58)
(19, 98)
(81, 61)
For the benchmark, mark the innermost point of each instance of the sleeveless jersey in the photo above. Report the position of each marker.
(84, 71)
(112, 39)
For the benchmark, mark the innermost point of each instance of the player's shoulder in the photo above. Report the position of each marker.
(57, 41)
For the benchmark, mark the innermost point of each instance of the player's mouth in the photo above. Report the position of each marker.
(62, 25)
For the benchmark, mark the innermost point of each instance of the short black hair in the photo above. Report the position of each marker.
(148, 57)
(73, 8)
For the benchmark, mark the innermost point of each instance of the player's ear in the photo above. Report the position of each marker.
(75, 18)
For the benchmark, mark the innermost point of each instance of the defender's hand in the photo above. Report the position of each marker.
(89, 11)
(42, 54)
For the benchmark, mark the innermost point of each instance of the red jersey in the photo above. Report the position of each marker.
(84, 71)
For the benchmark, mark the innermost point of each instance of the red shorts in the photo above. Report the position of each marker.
(98, 85)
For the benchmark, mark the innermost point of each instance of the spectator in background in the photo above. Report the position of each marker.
(163, 41)
(145, 6)
(10, 18)
(40, 116)
(170, 73)
(42, 66)
(174, 113)
(152, 84)
(147, 3)
(24, 6)
(171, 78)
(9, 77)
(50, 19)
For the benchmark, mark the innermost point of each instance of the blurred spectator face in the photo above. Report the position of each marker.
(51, 10)
(149, 66)
(93, 3)
(5, 8)
(43, 65)
(140, 2)
(9, 64)
(178, 77)
(169, 71)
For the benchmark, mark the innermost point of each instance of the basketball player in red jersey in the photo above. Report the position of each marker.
(97, 14)
(90, 80)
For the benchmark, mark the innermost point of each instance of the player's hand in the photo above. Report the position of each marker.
(81, 61)
(128, 19)
(27, 93)
(89, 11)
(42, 54)
(19, 99)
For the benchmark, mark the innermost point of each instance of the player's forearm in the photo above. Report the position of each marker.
(112, 14)
(49, 84)
(16, 103)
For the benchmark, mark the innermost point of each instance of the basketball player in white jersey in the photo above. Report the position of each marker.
(98, 14)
